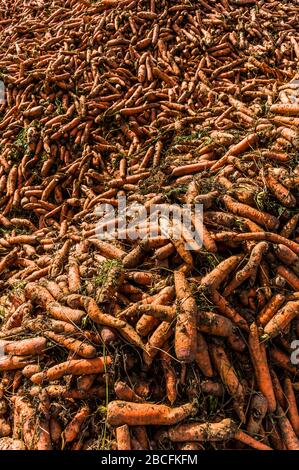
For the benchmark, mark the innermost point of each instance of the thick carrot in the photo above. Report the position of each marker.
(156, 342)
(217, 276)
(221, 431)
(249, 270)
(139, 414)
(73, 428)
(185, 330)
(261, 368)
(79, 347)
(73, 367)
(282, 194)
(288, 434)
(289, 276)
(123, 437)
(26, 347)
(281, 319)
(285, 109)
(202, 356)
(214, 324)
(262, 218)
(171, 382)
(270, 309)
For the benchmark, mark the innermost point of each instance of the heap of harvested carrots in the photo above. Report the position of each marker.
(143, 344)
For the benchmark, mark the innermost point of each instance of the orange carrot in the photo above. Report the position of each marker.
(287, 431)
(139, 414)
(261, 368)
(73, 367)
(73, 428)
(221, 431)
(185, 330)
(281, 319)
(123, 437)
(292, 410)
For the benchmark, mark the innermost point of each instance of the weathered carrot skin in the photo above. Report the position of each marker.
(133, 414)
(185, 330)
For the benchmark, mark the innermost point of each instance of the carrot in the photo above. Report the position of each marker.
(123, 437)
(55, 430)
(73, 367)
(217, 276)
(139, 414)
(124, 392)
(79, 347)
(156, 342)
(43, 427)
(212, 388)
(285, 109)
(185, 330)
(282, 360)
(279, 393)
(228, 377)
(31, 369)
(161, 312)
(214, 324)
(142, 437)
(270, 309)
(261, 368)
(8, 443)
(107, 249)
(14, 362)
(250, 441)
(281, 319)
(290, 226)
(85, 382)
(282, 194)
(202, 357)
(266, 220)
(73, 275)
(169, 375)
(221, 431)
(288, 434)
(25, 347)
(57, 391)
(286, 255)
(257, 236)
(227, 310)
(72, 430)
(38, 294)
(60, 312)
(236, 149)
(292, 410)
(135, 257)
(249, 270)
(289, 276)
(190, 169)
(258, 410)
(60, 258)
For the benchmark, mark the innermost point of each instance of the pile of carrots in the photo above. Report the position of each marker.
(143, 344)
